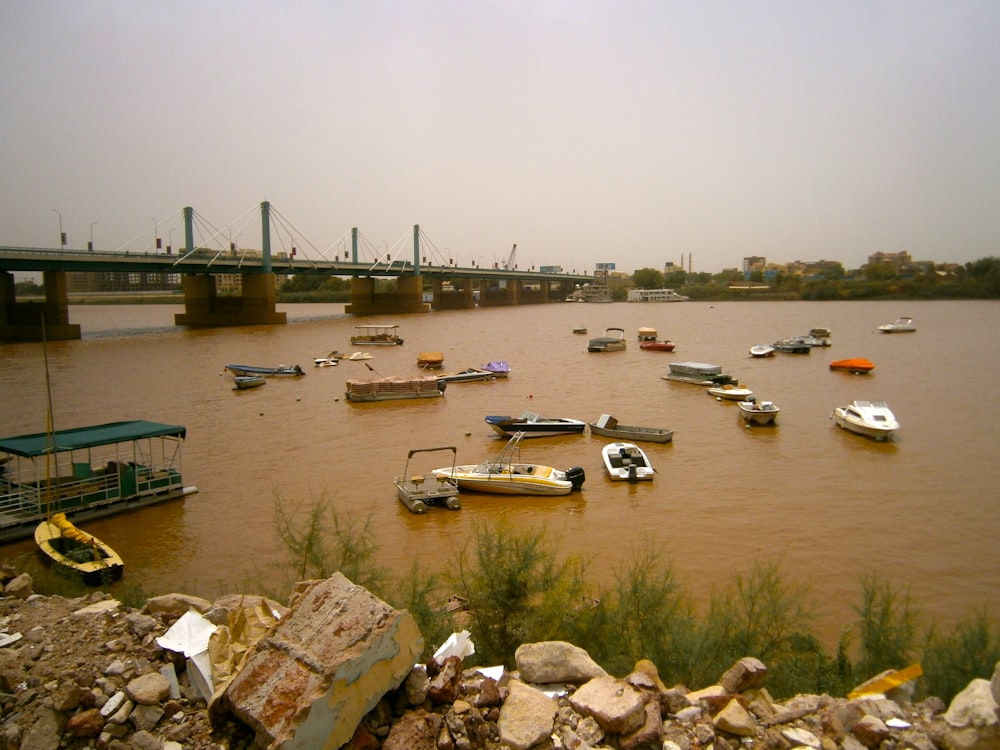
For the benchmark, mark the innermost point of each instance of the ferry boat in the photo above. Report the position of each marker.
(87, 472)
(390, 388)
(655, 295)
(377, 335)
(699, 373)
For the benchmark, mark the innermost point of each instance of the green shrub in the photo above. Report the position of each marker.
(954, 658)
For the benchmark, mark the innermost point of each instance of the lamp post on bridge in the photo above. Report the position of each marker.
(62, 234)
(90, 246)
(156, 235)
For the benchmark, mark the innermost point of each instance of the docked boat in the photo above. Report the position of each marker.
(500, 368)
(533, 425)
(856, 365)
(758, 412)
(793, 345)
(607, 426)
(430, 360)
(761, 350)
(245, 382)
(627, 462)
(267, 372)
(819, 336)
(655, 295)
(64, 545)
(507, 474)
(467, 375)
(873, 419)
(91, 472)
(376, 335)
(613, 340)
(390, 388)
(419, 492)
(590, 293)
(730, 392)
(699, 373)
(901, 325)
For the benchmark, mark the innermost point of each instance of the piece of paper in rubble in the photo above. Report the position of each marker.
(189, 635)
(458, 644)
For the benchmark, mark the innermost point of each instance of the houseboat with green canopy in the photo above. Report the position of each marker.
(87, 472)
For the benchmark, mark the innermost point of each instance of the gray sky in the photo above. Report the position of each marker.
(621, 131)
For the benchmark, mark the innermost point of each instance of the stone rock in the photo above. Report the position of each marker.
(735, 719)
(971, 722)
(19, 587)
(649, 735)
(840, 719)
(176, 605)
(148, 689)
(326, 664)
(800, 737)
(415, 686)
(526, 717)
(415, 730)
(871, 731)
(746, 674)
(555, 661)
(444, 685)
(617, 706)
(45, 732)
(646, 676)
(87, 723)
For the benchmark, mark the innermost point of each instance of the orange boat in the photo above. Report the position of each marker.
(857, 365)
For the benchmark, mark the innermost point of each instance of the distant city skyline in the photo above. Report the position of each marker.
(585, 132)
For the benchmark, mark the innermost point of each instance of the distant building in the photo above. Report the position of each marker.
(898, 261)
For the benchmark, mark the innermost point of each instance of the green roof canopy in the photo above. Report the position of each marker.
(88, 437)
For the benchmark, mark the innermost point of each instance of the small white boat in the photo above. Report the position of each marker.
(506, 474)
(377, 335)
(64, 545)
(873, 419)
(730, 392)
(627, 462)
(467, 375)
(330, 360)
(268, 372)
(901, 325)
(761, 350)
(758, 412)
(607, 426)
(359, 356)
(418, 492)
(245, 382)
(613, 340)
(533, 425)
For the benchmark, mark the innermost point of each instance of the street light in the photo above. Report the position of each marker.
(156, 235)
(62, 234)
(91, 245)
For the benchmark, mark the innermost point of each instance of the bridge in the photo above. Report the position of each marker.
(200, 267)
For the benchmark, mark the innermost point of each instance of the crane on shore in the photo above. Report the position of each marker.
(508, 265)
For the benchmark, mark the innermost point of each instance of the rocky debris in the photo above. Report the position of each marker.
(89, 673)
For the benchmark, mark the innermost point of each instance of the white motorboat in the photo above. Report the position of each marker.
(613, 340)
(467, 375)
(873, 419)
(418, 492)
(533, 425)
(761, 350)
(506, 474)
(730, 392)
(758, 412)
(901, 325)
(627, 462)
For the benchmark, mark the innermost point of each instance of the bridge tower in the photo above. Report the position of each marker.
(204, 306)
(408, 297)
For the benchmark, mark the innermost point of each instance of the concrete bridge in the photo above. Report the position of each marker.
(451, 287)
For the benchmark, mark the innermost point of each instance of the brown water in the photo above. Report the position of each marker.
(922, 511)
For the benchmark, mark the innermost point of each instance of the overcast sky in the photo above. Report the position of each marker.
(586, 132)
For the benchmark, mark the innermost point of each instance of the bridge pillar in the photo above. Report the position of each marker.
(408, 297)
(22, 321)
(462, 299)
(203, 306)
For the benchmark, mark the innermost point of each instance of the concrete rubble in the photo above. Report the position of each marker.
(338, 669)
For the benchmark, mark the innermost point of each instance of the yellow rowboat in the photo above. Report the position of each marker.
(63, 544)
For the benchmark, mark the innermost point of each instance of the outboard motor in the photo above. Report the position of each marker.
(576, 475)
(633, 475)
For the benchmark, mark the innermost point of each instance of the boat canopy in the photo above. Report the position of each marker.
(88, 437)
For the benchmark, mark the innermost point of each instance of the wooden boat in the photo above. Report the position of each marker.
(607, 426)
(533, 425)
(580, 329)
(467, 375)
(873, 419)
(430, 360)
(613, 340)
(730, 392)
(76, 551)
(699, 373)
(758, 412)
(500, 368)
(507, 474)
(857, 365)
(761, 350)
(627, 462)
(390, 388)
(418, 492)
(901, 325)
(144, 468)
(267, 372)
(376, 335)
(244, 382)
(792, 345)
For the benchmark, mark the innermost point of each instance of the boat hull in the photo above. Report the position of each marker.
(245, 382)
(730, 394)
(63, 545)
(657, 346)
(626, 462)
(755, 413)
(540, 481)
(870, 419)
(509, 426)
(267, 372)
(389, 389)
(699, 373)
(626, 433)
(858, 366)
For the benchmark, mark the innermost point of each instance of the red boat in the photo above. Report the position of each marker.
(657, 346)
(857, 365)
